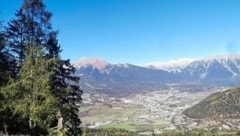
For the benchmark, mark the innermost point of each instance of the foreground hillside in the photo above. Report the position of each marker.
(222, 104)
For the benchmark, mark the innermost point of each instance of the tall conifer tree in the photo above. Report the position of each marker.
(31, 24)
(33, 98)
(9, 123)
(4, 59)
(30, 30)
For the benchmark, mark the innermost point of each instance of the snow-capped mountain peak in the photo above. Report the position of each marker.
(223, 58)
(96, 63)
(125, 65)
(97, 74)
(172, 65)
(228, 65)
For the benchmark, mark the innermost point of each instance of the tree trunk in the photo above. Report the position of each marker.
(5, 127)
(60, 121)
(30, 123)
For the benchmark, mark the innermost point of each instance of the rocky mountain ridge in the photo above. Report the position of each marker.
(99, 75)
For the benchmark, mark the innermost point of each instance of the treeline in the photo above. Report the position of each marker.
(38, 94)
(222, 104)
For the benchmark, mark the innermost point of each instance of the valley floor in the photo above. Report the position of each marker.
(148, 112)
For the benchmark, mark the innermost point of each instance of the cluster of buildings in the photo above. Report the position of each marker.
(167, 105)
(163, 107)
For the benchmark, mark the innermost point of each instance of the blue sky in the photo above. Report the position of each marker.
(142, 31)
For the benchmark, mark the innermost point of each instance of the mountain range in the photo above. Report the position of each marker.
(99, 75)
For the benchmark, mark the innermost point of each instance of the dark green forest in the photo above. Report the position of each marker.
(219, 105)
(38, 94)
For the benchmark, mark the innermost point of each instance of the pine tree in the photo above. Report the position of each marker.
(29, 98)
(69, 96)
(32, 92)
(5, 62)
(66, 89)
(31, 24)
(30, 30)
(5, 74)
(3, 80)
(9, 123)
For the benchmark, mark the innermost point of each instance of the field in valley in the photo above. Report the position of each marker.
(102, 115)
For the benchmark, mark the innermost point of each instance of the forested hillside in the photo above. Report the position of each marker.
(222, 104)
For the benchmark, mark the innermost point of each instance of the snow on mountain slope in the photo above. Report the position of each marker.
(96, 63)
(98, 74)
(217, 67)
(172, 65)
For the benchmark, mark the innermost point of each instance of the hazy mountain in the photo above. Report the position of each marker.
(174, 66)
(99, 75)
(219, 105)
(96, 63)
(219, 70)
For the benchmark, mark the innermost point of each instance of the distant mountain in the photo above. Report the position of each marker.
(174, 66)
(218, 105)
(96, 63)
(223, 70)
(99, 75)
